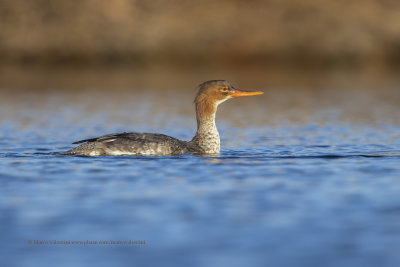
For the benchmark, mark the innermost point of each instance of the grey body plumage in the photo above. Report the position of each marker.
(131, 144)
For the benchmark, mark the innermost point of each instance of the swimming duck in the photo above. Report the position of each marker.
(206, 140)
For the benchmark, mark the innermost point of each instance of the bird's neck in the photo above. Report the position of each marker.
(207, 136)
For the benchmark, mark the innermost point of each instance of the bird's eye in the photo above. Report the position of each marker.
(225, 89)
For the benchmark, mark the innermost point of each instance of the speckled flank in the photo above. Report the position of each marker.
(131, 144)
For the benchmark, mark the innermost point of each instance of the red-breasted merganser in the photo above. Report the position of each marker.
(206, 141)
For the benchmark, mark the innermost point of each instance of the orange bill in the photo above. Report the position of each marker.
(240, 93)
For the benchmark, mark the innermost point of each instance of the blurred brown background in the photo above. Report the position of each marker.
(261, 43)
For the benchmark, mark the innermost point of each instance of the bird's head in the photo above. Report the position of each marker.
(212, 93)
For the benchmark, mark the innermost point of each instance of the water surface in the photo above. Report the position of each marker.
(303, 179)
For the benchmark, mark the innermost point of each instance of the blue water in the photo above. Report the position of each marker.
(319, 193)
